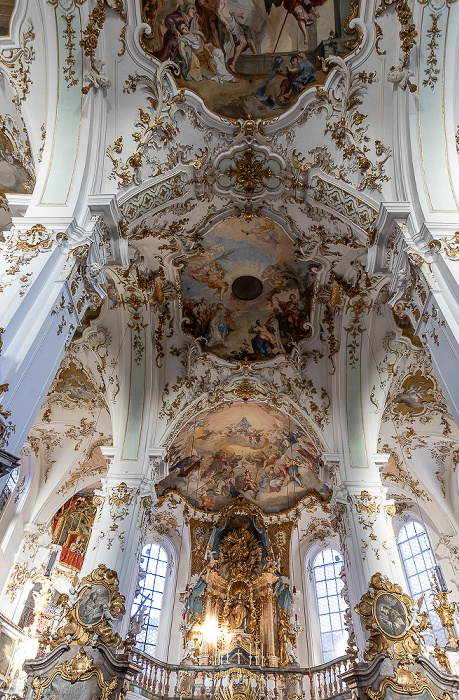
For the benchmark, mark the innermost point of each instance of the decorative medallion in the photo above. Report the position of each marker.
(394, 623)
(88, 613)
(415, 394)
(249, 172)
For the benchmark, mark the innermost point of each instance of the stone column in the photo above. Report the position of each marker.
(50, 273)
(363, 520)
(271, 651)
(125, 505)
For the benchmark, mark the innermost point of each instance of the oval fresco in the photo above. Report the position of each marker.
(248, 58)
(243, 449)
(244, 297)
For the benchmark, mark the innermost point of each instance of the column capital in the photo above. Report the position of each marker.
(331, 459)
(157, 462)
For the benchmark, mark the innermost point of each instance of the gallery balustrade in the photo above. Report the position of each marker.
(161, 680)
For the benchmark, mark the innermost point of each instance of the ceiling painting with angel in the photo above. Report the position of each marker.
(244, 449)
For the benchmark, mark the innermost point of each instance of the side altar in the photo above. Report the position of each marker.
(239, 609)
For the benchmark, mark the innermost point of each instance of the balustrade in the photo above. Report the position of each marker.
(210, 682)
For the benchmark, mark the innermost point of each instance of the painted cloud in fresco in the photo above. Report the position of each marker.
(243, 449)
(258, 329)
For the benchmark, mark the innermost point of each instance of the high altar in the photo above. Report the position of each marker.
(239, 609)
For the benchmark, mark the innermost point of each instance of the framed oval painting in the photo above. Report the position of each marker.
(391, 615)
(92, 604)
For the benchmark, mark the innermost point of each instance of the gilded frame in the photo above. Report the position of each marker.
(401, 643)
(78, 669)
(405, 682)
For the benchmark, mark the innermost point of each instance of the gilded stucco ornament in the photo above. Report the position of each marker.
(80, 668)
(393, 619)
(249, 171)
(17, 61)
(345, 124)
(89, 612)
(17, 155)
(445, 611)
(156, 128)
(449, 245)
(6, 426)
(400, 75)
(405, 683)
(90, 41)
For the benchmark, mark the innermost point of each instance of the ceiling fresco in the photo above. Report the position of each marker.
(247, 449)
(244, 297)
(247, 56)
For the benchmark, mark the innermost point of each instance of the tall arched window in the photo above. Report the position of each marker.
(153, 564)
(330, 605)
(419, 564)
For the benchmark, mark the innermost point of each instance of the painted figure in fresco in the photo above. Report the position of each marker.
(250, 484)
(199, 59)
(170, 47)
(236, 37)
(272, 324)
(302, 10)
(207, 15)
(265, 342)
(298, 75)
(219, 328)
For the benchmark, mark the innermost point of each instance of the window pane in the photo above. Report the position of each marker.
(150, 598)
(333, 634)
(8, 488)
(419, 563)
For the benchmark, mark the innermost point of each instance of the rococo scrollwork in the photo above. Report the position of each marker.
(393, 619)
(80, 669)
(89, 612)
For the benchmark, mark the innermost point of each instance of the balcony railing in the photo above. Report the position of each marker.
(167, 681)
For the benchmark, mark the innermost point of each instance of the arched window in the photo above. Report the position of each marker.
(330, 605)
(8, 488)
(419, 564)
(153, 564)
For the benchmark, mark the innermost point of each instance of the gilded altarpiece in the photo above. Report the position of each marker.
(238, 611)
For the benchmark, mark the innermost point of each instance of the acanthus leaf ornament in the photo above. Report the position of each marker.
(18, 61)
(347, 130)
(155, 129)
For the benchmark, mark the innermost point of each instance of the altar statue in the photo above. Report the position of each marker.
(239, 613)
